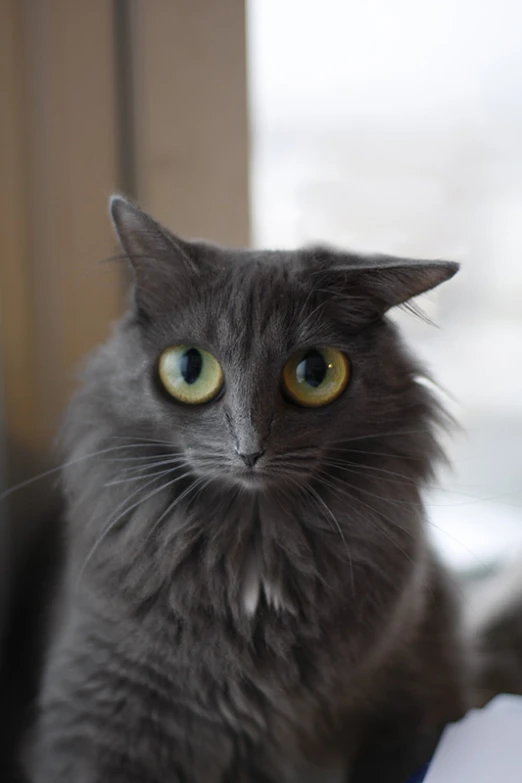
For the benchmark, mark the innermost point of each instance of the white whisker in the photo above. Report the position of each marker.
(110, 526)
(339, 529)
(139, 478)
(195, 485)
(61, 467)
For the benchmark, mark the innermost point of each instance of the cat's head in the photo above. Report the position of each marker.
(261, 368)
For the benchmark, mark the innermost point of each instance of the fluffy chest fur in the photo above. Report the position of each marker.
(275, 611)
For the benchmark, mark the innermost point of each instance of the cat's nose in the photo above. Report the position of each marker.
(251, 459)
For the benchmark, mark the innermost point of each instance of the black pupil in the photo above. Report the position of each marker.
(191, 364)
(312, 369)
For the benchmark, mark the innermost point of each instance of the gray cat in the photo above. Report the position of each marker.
(249, 594)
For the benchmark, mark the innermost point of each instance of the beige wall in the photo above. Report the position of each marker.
(90, 105)
(190, 105)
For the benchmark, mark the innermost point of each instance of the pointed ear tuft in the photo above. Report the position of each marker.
(128, 222)
(140, 236)
(159, 259)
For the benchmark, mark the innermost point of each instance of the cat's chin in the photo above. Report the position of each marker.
(250, 480)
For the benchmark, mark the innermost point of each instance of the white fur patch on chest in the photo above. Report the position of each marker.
(254, 585)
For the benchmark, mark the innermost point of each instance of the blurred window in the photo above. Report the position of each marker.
(396, 126)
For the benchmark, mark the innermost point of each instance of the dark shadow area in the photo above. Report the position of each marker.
(32, 550)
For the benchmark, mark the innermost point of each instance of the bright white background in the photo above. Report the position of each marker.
(396, 125)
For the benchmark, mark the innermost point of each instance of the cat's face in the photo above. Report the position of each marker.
(258, 368)
(251, 378)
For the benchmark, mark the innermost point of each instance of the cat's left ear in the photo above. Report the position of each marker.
(160, 261)
(385, 281)
(143, 240)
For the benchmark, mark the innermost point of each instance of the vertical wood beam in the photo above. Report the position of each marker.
(60, 157)
(191, 116)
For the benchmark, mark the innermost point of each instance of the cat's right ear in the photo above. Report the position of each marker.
(158, 258)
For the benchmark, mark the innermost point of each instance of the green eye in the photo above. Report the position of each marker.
(316, 376)
(191, 375)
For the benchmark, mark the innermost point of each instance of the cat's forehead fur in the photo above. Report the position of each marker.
(245, 303)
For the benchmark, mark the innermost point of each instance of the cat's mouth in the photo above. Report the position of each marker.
(263, 475)
(247, 471)
(255, 471)
(250, 473)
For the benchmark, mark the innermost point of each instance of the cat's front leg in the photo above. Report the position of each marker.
(110, 726)
(77, 754)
